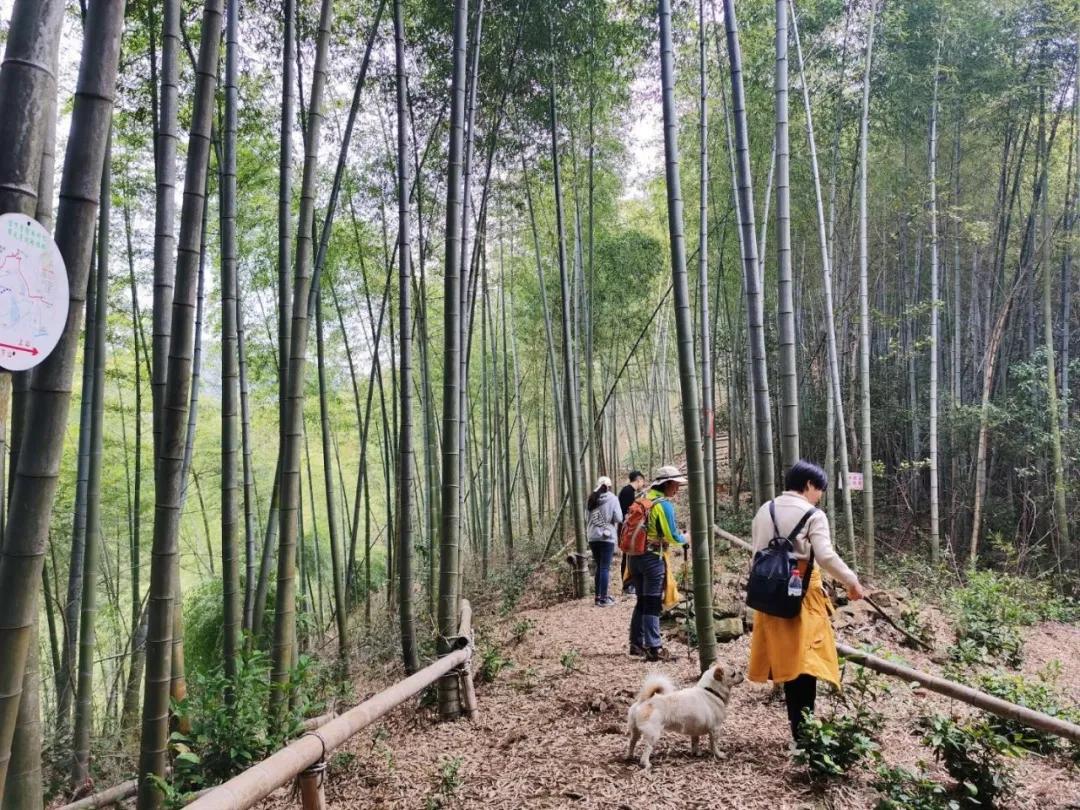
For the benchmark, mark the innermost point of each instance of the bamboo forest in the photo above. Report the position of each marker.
(410, 403)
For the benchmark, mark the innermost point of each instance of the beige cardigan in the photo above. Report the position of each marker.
(790, 507)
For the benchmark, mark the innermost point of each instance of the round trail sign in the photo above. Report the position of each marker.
(33, 293)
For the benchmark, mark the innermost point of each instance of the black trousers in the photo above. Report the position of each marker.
(799, 694)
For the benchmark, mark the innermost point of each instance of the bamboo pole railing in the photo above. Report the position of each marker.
(305, 757)
(973, 697)
(981, 700)
(125, 790)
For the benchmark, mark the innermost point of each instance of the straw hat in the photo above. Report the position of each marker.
(667, 473)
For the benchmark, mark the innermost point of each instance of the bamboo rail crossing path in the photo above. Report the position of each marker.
(973, 697)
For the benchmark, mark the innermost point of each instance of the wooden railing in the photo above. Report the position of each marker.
(305, 758)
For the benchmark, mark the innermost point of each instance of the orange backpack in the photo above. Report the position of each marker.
(633, 539)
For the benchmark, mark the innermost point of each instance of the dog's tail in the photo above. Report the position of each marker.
(655, 684)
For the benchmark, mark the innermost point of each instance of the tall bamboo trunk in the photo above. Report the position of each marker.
(175, 403)
(707, 383)
(65, 679)
(570, 405)
(232, 612)
(332, 519)
(84, 700)
(836, 393)
(23, 787)
(284, 607)
(755, 303)
(450, 528)
(700, 524)
(405, 324)
(36, 477)
(1061, 513)
(789, 375)
(935, 519)
(864, 307)
(165, 141)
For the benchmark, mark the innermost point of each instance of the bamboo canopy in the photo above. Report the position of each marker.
(943, 686)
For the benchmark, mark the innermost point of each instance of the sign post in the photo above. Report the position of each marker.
(33, 293)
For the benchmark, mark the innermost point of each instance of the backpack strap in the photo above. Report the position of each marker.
(809, 513)
(798, 526)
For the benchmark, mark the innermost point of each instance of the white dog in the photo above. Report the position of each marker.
(694, 711)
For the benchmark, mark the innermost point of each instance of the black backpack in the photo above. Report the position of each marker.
(767, 590)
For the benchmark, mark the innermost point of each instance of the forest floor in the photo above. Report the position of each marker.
(550, 732)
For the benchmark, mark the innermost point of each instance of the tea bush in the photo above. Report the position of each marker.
(901, 789)
(830, 746)
(973, 755)
(1039, 694)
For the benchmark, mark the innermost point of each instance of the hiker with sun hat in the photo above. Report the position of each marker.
(648, 532)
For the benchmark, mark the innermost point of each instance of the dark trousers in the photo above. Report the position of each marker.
(799, 695)
(648, 573)
(602, 553)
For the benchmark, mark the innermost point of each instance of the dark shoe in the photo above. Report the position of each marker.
(607, 601)
(637, 651)
(630, 589)
(657, 654)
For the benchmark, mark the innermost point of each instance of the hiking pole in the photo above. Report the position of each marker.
(685, 553)
(889, 619)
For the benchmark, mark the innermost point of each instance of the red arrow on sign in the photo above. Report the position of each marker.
(32, 350)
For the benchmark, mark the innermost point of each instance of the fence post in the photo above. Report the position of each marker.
(311, 780)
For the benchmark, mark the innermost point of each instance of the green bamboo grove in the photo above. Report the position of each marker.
(426, 274)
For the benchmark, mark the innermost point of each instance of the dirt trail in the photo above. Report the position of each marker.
(551, 735)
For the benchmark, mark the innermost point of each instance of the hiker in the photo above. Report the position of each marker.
(635, 484)
(797, 652)
(650, 530)
(603, 522)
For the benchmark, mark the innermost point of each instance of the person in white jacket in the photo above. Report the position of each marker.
(605, 515)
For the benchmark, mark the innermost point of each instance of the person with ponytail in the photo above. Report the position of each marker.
(605, 515)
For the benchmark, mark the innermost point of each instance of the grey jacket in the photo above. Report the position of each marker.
(604, 519)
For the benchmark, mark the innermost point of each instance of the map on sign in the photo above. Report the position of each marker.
(33, 293)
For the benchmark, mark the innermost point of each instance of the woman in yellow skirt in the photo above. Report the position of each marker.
(797, 652)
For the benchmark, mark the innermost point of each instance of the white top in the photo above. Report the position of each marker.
(790, 507)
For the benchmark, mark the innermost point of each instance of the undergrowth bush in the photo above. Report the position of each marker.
(973, 754)
(228, 736)
(990, 611)
(913, 622)
(832, 745)
(1038, 693)
(492, 662)
(901, 789)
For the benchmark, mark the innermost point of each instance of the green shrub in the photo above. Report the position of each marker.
(913, 622)
(522, 628)
(901, 789)
(450, 781)
(492, 662)
(228, 736)
(972, 754)
(1039, 694)
(833, 745)
(571, 660)
(990, 609)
